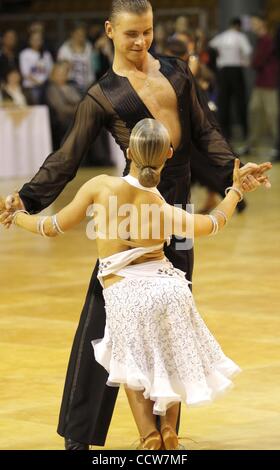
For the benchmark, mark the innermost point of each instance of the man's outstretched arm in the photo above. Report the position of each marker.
(212, 159)
(61, 166)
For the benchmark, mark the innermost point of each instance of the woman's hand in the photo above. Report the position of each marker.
(8, 206)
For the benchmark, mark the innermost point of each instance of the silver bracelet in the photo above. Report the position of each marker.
(17, 212)
(56, 225)
(240, 194)
(222, 213)
(215, 224)
(40, 226)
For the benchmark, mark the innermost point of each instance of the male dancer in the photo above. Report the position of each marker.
(136, 87)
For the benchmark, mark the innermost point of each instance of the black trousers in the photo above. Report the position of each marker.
(88, 403)
(232, 90)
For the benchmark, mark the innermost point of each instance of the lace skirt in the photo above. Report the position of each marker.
(156, 341)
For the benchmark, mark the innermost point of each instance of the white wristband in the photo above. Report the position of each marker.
(40, 226)
(240, 194)
(222, 213)
(215, 224)
(56, 225)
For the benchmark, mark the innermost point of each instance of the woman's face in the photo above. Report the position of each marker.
(79, 36)
(131, 34)
(36, 41)
(60, 74)
(10, 39)
(181, 24)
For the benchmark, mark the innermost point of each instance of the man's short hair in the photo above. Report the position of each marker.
(137, 7)
(236, 22)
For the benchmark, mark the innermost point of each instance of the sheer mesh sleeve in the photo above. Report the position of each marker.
(61, 166)
(213, 159)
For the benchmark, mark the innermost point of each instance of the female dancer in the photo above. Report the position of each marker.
(155, 341)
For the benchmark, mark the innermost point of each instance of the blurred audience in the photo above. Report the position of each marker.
(35, 67)
(205, 80)
(8, 53)
(78, 51)
(103, 50)
(263, 106)
(234, 51)
(182, 25)
(11, 89)
(62, 98)
(218, 68)
(39, 27)
(177, 48)
(159, 39)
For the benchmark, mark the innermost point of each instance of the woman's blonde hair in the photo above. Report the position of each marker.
(149, 145)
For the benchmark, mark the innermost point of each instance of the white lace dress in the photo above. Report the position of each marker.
(155, 340)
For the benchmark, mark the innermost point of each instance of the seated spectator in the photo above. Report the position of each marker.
(11, 90)
(62, 99)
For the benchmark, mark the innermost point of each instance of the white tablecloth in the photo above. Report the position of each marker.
(25, 140)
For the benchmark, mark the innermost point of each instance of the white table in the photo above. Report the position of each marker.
(25, 140)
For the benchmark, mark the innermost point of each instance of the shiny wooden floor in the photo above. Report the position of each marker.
(236, 286)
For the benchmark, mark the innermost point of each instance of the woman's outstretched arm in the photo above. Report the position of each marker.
(66, 218)
(189, 225)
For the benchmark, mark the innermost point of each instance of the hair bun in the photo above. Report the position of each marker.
(148, 177)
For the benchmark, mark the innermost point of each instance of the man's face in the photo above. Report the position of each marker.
(132, 34)
(10, 39)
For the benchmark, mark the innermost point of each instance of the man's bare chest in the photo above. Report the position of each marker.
(157, 94)
(159, 97)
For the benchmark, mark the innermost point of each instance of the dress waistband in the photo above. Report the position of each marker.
(151, 269)
(112, 264)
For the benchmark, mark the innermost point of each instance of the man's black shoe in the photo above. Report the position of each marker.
(74, 445)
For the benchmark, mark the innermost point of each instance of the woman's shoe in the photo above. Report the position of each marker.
(170, 438)
(151, 442)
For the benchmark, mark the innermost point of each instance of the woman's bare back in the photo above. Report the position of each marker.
(121, 213)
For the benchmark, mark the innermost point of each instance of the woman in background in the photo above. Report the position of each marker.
(11, 89)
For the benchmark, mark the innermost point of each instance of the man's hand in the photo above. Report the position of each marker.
(8, 206)
(257, 173)
(244, 182)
